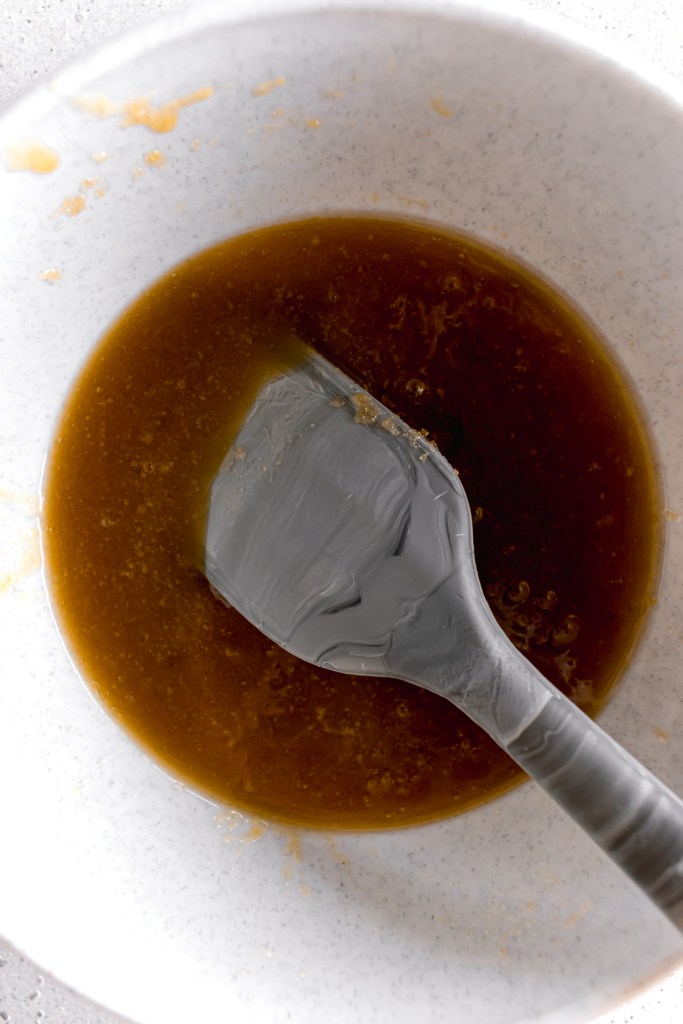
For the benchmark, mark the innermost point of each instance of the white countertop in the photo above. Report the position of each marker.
(36, 37)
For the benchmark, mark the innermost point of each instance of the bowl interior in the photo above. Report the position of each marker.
(132, 889)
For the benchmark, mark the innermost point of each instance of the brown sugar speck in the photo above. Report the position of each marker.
(140, 110)
(256, 831)
(263, 88)
(72, 205)
(51, 275)
(410, 202)
(97, 104)
(441, 107)
(155, 158)
(31, 155)
(28, 562)
(366, 408)
(293, 847)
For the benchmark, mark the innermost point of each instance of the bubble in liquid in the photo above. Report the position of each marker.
(582, 691)
(566, 630)
(417, 388)
(516, 594)
(455, 283)
(565, 664)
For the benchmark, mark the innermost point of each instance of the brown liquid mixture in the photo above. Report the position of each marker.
(518, 394)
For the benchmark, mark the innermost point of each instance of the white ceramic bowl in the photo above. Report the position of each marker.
(113, 876)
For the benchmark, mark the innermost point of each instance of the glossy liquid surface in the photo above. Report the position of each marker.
(520, 397)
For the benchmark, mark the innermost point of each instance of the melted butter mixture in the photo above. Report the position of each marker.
(519, 395)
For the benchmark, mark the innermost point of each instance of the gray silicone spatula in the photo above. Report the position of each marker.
(347, 538)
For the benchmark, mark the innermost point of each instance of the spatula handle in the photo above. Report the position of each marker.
(455, 648)
(633, 816)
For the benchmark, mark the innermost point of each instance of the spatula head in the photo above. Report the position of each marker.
(331, 521)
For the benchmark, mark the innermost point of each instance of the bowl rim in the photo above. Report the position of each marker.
(168, 26)
(546, 26)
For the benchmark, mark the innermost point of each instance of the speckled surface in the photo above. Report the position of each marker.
(113, 876)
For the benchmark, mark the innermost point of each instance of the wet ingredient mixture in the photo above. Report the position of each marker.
(519, 395)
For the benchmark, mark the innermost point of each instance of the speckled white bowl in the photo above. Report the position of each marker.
(136, 892)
